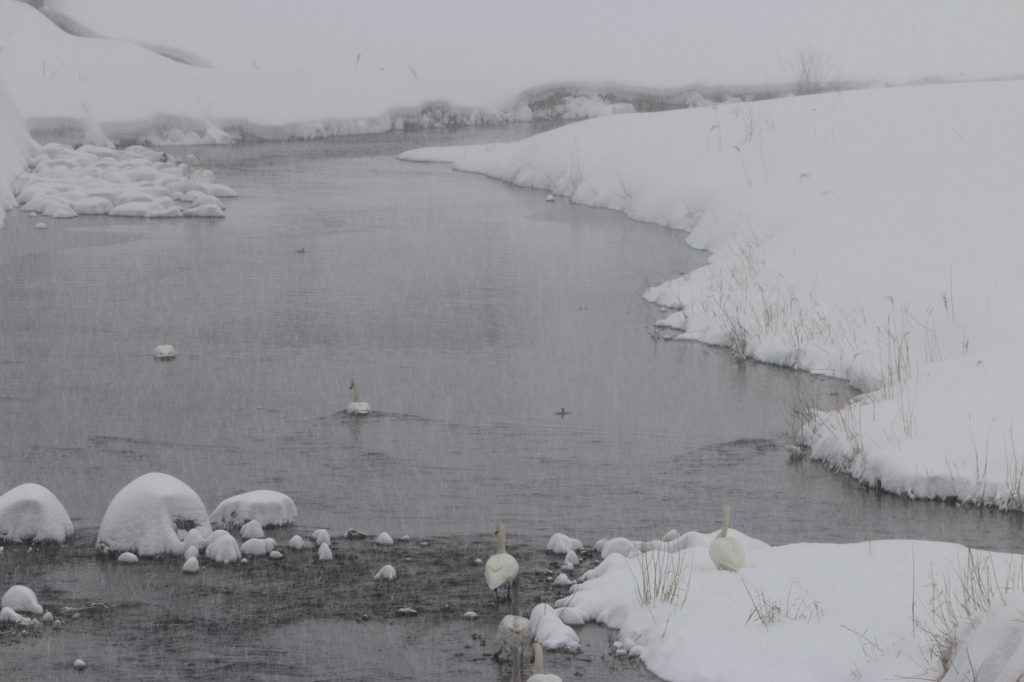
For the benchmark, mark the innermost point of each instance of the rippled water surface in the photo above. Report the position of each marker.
(471, 312)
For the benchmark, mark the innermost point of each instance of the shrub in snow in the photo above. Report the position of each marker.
(324, 553)
(560, 544)
(143, 518)
(384, 539)
(550, 632)
(386, 573)
(22, 600)
(321, 537)
(30, 512)
(224, 549)
(191, 565)
(128, 558)
(253, 529)
(269, 507)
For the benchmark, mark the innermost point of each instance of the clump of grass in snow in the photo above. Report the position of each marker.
(964, 598)
(768, 611)
(664, 576)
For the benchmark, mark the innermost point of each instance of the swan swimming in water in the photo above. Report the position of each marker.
(726, 552)
(502, 568)
(357, 407)
(538, 667)
(164, 352)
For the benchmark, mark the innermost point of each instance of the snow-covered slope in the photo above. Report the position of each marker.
(870, 235)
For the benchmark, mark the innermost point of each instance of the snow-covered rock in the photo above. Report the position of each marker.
(550, 632)
(384, 539)
(268, 507)
(30, 512)
(297, 542)
(22, 599)
(258, 546)
(325, 553)
(321, 537)
(224, 549)
(560, 544)
(191, 565)
(144, 516)
(127, 558)
(386, 573)
(250, 530)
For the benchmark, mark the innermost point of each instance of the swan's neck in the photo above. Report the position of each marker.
(538, 659)
(501, 538)
(355, 386)
(725, 520)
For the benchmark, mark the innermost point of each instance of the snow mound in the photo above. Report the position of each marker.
(191, 565)
(384, 539)
(268, 507)
(224, 549)
(64, 182)
(145, 516)
(258, 546)
(550, 632)
(386, 573)
(325, 553)
(252, 529)
(8, 615)
(321, 537)
(21, 599)
(296, 542)
(30, 512)
(128, 558)
(560, 544)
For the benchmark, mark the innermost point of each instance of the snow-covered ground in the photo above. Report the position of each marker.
(871, 235)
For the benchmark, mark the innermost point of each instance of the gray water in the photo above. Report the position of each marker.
(471, 312)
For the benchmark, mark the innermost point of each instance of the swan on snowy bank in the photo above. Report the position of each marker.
(502, 568)
(356, 406)
(726, 552)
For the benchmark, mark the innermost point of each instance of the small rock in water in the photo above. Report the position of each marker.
(296, 542)
(562, 580)
(243, 561)
(386, 573)
(353, 534)
(470, 615)
(384, 539)
(191, 565)
(407, 612)
(405, 538)
(478, 561)
(79, 664)
(550, 197)
(164, 352)
(325, 553)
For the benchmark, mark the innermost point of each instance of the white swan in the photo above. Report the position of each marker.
(357, 407)
(164, 352)
(538, 667)
(726, 552)
(502, 568)
(514, 635)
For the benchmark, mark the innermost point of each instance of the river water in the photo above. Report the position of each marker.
(473, 314)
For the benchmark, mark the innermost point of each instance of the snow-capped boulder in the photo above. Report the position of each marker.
(145, 516)
(550, 632)
(30, 512)
(224, 549)
(386, 573)
(268, 507)
(560, 544)
(21, 599)
(252, 529)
